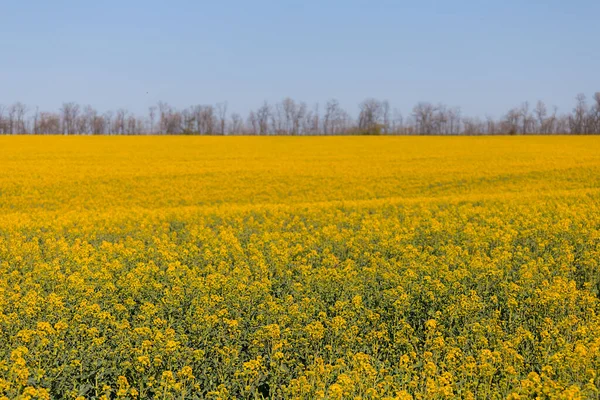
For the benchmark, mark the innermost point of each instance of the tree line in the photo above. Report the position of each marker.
(289, 117)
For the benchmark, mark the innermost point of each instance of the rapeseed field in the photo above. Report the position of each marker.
(300, 268)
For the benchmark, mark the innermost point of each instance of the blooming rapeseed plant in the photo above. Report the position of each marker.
(362, 268)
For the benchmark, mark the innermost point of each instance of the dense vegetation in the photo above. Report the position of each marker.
(300, 267)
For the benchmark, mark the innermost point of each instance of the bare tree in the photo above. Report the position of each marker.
(69, 112)
(563, 124)
(398, 122)
(152, 118)
(290, 117)
(331, 108)
(315, 119)
(297, 117)
(107, 117)
(35, 121)
(551, 121)
(440, 120)
(511, 122)
(595, 114)
(454, 121)
(119, 122)
(491, 126)
(236, 125)
(253, 127)
(473, 126)
(541, 113)
(82, 123)
(385, 105)
(577, 121)
(99, 124)
(11, 121)
(49, 123)
(16, 118)
(21, 110)
(262, 117)
(288, 107)
(222, 115)
(277, 117)
(3, 121)
(527, 121)
(87, 120)
(311, 123)
(370, 118)
(335, 119)
(190, 121)
(170, 120)
(424, 115)
(206, 120)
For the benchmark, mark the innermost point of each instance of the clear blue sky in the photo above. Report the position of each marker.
(484, 56)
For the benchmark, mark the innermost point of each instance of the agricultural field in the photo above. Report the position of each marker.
(300, 268)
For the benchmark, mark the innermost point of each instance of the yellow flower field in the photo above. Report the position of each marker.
(286, 267)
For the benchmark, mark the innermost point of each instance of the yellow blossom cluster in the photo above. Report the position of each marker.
(299, 268)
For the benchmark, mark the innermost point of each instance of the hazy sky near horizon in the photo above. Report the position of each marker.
(484, 56)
